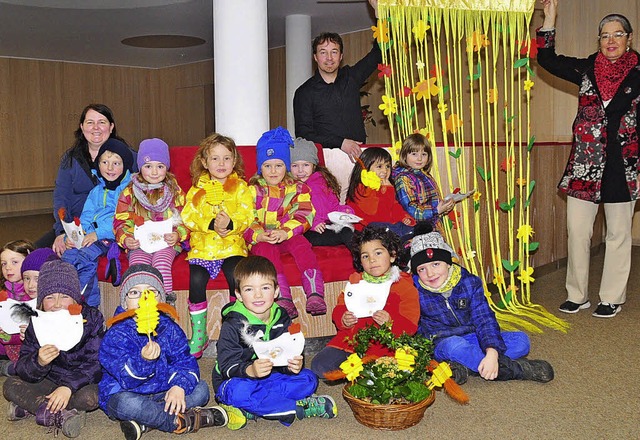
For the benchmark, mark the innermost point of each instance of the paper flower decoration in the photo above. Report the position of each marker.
(528, 84)
(352, 367)
(524, 233)
(370, 179)
(384, 70)
(420, 30)
(477, 41)
(453, 123)
(425, 88)
(381, 32)
(525, 275)
(388, 105)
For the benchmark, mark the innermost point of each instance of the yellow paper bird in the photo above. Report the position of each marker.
(215, 192)
(370, 179)
(147, 315)
(439, 375)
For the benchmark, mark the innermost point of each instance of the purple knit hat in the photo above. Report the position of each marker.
(37, 258)
(153, 150)
(58, 276)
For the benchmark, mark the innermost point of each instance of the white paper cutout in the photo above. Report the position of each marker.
(74, 233)
(59, 328)
(280, 349)
(151, 235)
(459, 197)
(9, 324)
(363, 298)
(341, 220)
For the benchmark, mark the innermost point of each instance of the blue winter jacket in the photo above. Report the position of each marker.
(100, 208)
(73, 185)
(465, 311)
(124, 369)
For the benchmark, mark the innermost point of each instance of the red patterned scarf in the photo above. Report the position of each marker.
(609, 75)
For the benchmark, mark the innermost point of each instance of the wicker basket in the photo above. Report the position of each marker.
(387, 417)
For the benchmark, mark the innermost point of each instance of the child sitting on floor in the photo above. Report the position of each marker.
(54, 385)
(375, 255)
(456, 314)
(253, 387)
(151, 382)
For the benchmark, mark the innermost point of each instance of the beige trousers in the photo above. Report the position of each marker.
(617, 258)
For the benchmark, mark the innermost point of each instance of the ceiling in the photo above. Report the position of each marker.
(91, 31)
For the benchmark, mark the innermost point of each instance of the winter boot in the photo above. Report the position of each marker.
(199, 338)
(70, 421)
(195, 418)
(285, 301)
(238, 417)
(459, 373)
(133, 430)
(314, 288)
(316, 406)
(14, 413)
(523, 369)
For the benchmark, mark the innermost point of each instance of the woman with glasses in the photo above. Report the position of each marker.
(603, 163)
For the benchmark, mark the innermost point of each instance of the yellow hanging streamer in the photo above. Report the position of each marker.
(461, 76)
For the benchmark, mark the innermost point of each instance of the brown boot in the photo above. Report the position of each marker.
(196, 418)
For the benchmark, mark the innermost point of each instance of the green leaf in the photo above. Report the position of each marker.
(520, 63)
(476, 206)
(530, 71)
(445, 89)
(485, 175)
(505, 207)
(533, 246)
(512, 203)
(507, 300)
(532, 185)
(530, 145)
(510, 266)
(398, 119)
(456, 153)
(413, 112)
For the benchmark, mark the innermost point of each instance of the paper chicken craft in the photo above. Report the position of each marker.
(62, 328)
(73, 229)
(10, 321)
(364, 299)
(282, 348)
(341, 220)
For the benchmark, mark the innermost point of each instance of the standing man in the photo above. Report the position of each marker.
(327, 107)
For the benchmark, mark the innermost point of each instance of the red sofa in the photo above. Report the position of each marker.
(335, 261)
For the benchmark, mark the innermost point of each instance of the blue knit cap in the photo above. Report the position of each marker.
(274, 144)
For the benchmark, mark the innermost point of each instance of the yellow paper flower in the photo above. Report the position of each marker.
(381, 32)
(476, 196)
(477, 41)
(352, 367)
(420, 29)
(442, 107)
(498, 279)
(528, 84)
(420, 65)
(405, 359)
(453, 123)
(388, 105)
(424, 132)
(525, 276)
(425, 88)
(521, 181)
(524, 233)
(370, 179)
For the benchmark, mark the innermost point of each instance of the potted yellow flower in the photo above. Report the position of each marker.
(392, 393)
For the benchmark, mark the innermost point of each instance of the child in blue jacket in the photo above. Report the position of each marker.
(456, 314)
(151, 382)
(113, 168)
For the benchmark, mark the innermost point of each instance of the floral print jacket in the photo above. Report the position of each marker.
(603, 163)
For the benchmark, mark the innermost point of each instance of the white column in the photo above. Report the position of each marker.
(241, 69)
(299, 58)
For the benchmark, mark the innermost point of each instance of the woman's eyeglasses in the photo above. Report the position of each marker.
(135, 294)
(616, 36)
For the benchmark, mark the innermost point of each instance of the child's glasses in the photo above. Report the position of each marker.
(616, 36)
(135, 294)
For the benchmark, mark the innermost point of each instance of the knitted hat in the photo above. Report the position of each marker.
(118, 147)
(305, 150)
(274, 144)
(153, 150)
(141, 274)
(37, 258)
(58, 276)
(427, 248)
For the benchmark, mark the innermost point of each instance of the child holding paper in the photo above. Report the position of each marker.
(152, 195)
(54, 385)
(151, 382)
(375, 256)
(250, 387)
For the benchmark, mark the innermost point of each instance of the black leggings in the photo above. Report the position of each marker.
(199, 277)
(29, 396)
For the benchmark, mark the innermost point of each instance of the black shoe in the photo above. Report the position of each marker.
(459, 373)
(606, 310)
(132, 430)
(571, 307)
(536, 370)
